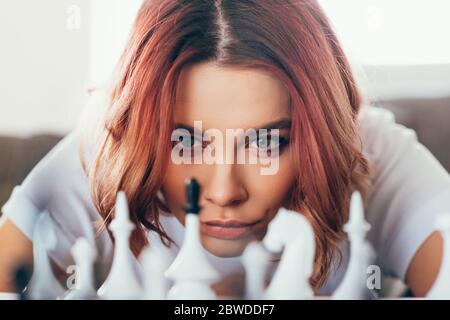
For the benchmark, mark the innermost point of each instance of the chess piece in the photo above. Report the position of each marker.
(122, 282)
(256, 260)
(354, 283)
(22, 276)
(43, 284)
(84, 255)
(191, 270)
(441, 287)
(292, 231)
(155, 260)
(9, 296)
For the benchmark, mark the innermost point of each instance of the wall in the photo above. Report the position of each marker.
(43, 64)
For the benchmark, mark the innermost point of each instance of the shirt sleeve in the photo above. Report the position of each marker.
(58, 185)
(21, 211)
(410, 188)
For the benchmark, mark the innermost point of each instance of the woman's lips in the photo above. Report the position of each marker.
(228, 229)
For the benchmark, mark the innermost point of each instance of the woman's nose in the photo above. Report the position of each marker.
(224, 188)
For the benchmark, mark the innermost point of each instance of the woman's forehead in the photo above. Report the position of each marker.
(224, 96)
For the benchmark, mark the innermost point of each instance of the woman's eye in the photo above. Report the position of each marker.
(190, 142)
(269, 143)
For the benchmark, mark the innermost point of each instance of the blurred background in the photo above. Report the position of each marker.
(52, 52)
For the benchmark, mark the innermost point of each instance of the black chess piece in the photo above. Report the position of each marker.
(192, 196)
(21, 278)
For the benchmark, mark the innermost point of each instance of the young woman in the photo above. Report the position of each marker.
(253, 64)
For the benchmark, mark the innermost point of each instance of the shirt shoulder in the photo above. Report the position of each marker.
(58, 185)
(410, 187)
(55, 174)
(378, 129)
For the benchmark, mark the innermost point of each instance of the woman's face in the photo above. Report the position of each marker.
(238, 198)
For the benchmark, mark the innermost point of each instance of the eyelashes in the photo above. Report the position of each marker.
(190, 141)
(265, 144)
(269, 144)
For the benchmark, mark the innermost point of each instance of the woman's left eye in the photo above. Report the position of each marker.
(270, 143)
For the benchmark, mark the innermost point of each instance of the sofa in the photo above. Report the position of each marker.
(18, 156)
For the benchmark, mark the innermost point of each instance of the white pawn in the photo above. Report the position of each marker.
(84, 255)
(354, 283)
(9, 296)
(155, 260)
(191, 270)
(291, 233)
(441, 287)
(256, 260)
(122, 282)
(43, 285)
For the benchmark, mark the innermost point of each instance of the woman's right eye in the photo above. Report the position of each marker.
(189, 142)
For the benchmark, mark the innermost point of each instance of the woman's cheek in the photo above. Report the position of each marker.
(174, 186)
(175, 182)
(273, 189)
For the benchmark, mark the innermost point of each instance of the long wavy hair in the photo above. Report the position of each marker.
(292, 39)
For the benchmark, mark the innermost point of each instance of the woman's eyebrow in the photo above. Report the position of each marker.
(185, 127)
(277, 124)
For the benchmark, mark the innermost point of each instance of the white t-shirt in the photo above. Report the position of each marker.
(410, 188)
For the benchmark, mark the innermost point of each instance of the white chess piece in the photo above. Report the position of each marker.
(84, 255)
(191, 270)
(441, 287)
(354, 283)
(292, 231)
(155, 260)
(9, 296)
(122, 282)
(43, 284)
(256, 260)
